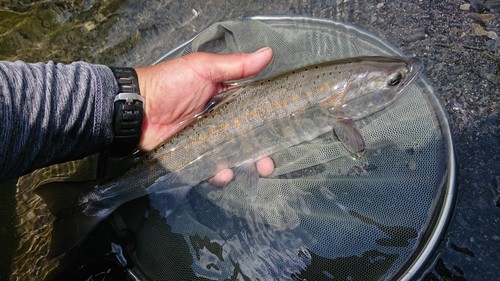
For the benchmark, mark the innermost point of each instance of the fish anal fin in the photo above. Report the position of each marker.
(348, 133)
(166, 201)
(248, 174)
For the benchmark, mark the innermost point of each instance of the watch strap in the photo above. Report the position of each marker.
(128, 112)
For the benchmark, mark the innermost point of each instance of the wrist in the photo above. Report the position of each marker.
(141, 73)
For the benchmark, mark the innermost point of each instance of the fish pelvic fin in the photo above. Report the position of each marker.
(247, 172)
(71, 223)
(347, 132)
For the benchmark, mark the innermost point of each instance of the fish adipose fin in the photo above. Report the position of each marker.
(166, 201)
(248, 174)
(348, 133)
(71, 225)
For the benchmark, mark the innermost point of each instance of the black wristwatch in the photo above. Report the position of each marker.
(128, 112)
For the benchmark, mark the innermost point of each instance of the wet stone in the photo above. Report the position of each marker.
(465, 7)
(417, 35)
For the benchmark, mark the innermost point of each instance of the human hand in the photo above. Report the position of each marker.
(177, 89)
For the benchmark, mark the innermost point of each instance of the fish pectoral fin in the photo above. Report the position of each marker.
(348, 133)
(250, 177)
(166, 201)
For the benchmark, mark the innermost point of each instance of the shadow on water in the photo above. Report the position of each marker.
(399, 236)
(374, 265)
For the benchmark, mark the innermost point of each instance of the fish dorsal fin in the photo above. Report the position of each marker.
(240, 82)
(212, 104)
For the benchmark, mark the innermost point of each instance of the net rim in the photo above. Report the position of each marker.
(442, 216)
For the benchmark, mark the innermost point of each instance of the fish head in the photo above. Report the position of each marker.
(376, 83)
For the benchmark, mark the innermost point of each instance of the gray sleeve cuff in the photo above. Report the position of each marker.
(107, 89)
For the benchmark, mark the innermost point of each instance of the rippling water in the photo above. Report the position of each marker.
(458, 43)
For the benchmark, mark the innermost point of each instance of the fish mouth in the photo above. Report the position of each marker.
(416, 66)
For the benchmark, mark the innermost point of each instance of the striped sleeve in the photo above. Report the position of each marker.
(52, 112)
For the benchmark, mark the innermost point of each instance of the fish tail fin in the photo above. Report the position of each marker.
(71, 224)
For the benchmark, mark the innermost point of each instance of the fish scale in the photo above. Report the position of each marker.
(189, 155)
(246, 123)
(263, 101)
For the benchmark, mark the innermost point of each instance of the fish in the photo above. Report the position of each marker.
(237, 128)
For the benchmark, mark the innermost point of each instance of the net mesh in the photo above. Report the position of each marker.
(322, 214)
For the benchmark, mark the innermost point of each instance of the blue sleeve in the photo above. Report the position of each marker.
(51, 113)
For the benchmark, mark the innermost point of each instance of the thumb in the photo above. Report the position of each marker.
(234, 66)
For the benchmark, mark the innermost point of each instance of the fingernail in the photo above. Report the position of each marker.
(262, 50)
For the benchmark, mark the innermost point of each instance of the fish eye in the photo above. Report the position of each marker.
(395, 79)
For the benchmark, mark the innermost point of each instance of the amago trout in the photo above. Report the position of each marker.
(242, 125)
